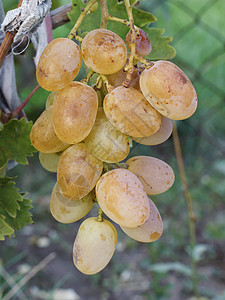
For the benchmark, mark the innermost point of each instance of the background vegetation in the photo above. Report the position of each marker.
(140, 271)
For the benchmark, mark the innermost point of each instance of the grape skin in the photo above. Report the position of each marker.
(151, 230)
(78, 171)
(43, 136)
(104, 51)
(59, 64)
(143, 44)
(159, 136)
(74, 112)
(67, 211)
(130, 112)
(169, 90)
(94, 245)
(50, 99)
(122, 198)
(156, 175)
(106, 142)
(49, 161)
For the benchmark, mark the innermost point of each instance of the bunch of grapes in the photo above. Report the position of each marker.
(85, 137)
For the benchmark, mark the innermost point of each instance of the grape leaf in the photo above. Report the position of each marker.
(161, 48)
(23, 215)
(142, 19)
(5, 229)
(14, 209)
(9, 196)
(15, 141)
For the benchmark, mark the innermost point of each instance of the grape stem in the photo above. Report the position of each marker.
(191, 215)
(144, 61)
(122, 21)
(108, 86)
(130, 67)
(100, 215)
(104, 13)
(83, 14)
(86, 79)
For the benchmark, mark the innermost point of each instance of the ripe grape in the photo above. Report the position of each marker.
(74, 112)
(94, 245)
(59, 64)
(49, 161)
(43, 136)
(105, 141)
(143, 45)
(169, 90)
(130, 112)
(50, 99)
(65, 210)
(104, 51)
(155, 175)
(122, 198)
(159, 136)
(78, 171)
(151, 230)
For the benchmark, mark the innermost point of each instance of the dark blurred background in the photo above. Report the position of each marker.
(161, 270)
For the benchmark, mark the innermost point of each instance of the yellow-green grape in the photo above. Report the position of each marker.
(50, 99)
(169, 90)
(59, 64)
(122, 198)
(104, 51)
(65, 210)
(105, 141)
(151, 230)
(74, 112)
(130, 112)
(94, 246)
(49, 161)
(43, 136)
(155, 175)
(78, 171)
(159, 136)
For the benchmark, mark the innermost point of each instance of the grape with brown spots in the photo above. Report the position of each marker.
(156, 175)
(169, 90)
(104, 51)
(151, 230)
(122, 198)
(130, 112)
(94, 245)
(59, 64)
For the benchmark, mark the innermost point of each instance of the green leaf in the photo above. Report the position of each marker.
(167, 267)
(5, 229)
(15, 141)
(14, 209)
(9, 196)
(23, 215)
(142, 19)
(93, 20)
(161, 48)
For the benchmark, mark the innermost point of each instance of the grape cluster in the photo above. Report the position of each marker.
(84, 139)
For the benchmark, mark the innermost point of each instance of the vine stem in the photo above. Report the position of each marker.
(187, 195)
(100, 215)
(7, 42)
(130, 67)
(122, 21)
(83, 14)
(104, 13)
(22, 105)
